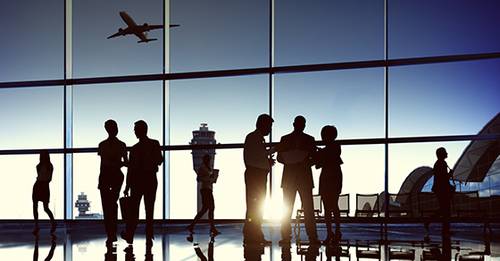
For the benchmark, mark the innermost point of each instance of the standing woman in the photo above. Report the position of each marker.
(206, 176)
(330, 180)
(41, 190)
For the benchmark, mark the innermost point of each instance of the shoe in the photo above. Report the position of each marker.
(126, 237)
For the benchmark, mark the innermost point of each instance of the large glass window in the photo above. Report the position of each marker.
(95, 55)
(443, 99)
(19, 175)
(31, 118)
(424, 28)
(125, 103)
(350, 100)
(228, 191)
(85, 181)
(230, 107)
(221, 34)
(328, 31)
(32, 46)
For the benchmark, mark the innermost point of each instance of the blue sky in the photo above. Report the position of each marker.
(439, 99)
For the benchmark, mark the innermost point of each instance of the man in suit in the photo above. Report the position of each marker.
(145, 157)
(258, 162)
(296, 150)
(113, 154)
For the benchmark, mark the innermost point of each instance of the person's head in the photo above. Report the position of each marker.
(140, 129)
(328, 133)
(264, 124)
(206, 159)
(441, 153)
(299, 123)
(111, 127)
(44, 157)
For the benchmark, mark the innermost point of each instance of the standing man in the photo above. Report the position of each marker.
(113, 154)
(145, 157)
(258, 162)
(296, 151)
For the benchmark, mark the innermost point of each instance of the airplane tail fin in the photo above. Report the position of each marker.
(147, 40)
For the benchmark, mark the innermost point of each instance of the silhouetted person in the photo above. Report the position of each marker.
(441, 186)
(444, 192)
(113, 154)
(258, 162)
(145, 157)
(206, 177)
(295, 152)
(41, 190)
(330, 180)
(51, 251)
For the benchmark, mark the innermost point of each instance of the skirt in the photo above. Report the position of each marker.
(41, 192)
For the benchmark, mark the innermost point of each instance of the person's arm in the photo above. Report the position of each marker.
(51, 170)
(158, 155)
(281, 147)
(130, 173)
(124, 156)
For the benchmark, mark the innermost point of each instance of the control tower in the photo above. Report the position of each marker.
(83, 205)
(203, 136)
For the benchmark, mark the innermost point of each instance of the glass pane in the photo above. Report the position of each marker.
(31, 117)
(95, 55)
(126, 103)
(22, 174)
(184, 191)
(328, 31)
(361, 162)
(229, 106)
(428, 28)
(351, 100)
(225, 34)
(85, 180)
(443, 99)
(33, 40)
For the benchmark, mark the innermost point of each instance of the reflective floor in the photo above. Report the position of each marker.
(358, 242)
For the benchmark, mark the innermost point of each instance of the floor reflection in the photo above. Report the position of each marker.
(365, 242)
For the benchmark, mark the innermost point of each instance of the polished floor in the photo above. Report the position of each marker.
(364, 241)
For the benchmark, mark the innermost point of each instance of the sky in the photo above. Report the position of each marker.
(424, 100)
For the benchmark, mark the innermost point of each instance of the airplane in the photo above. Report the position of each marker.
(137, 30)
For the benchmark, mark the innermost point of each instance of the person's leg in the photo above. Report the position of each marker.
(135, 201)
(149, 204)
(35, 216)
(307, 203)
(211, 208)
(261, 183)
(336, 212)
(289, 194)
(251, 191)
(328, 216)
(105, 209)
(202, 211)
(51, 216)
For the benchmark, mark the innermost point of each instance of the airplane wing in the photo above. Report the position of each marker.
(142, 37)
(119, 33)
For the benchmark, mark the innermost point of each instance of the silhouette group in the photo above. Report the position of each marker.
(297, 152)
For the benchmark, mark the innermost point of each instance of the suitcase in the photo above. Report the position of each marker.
(126, 208)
